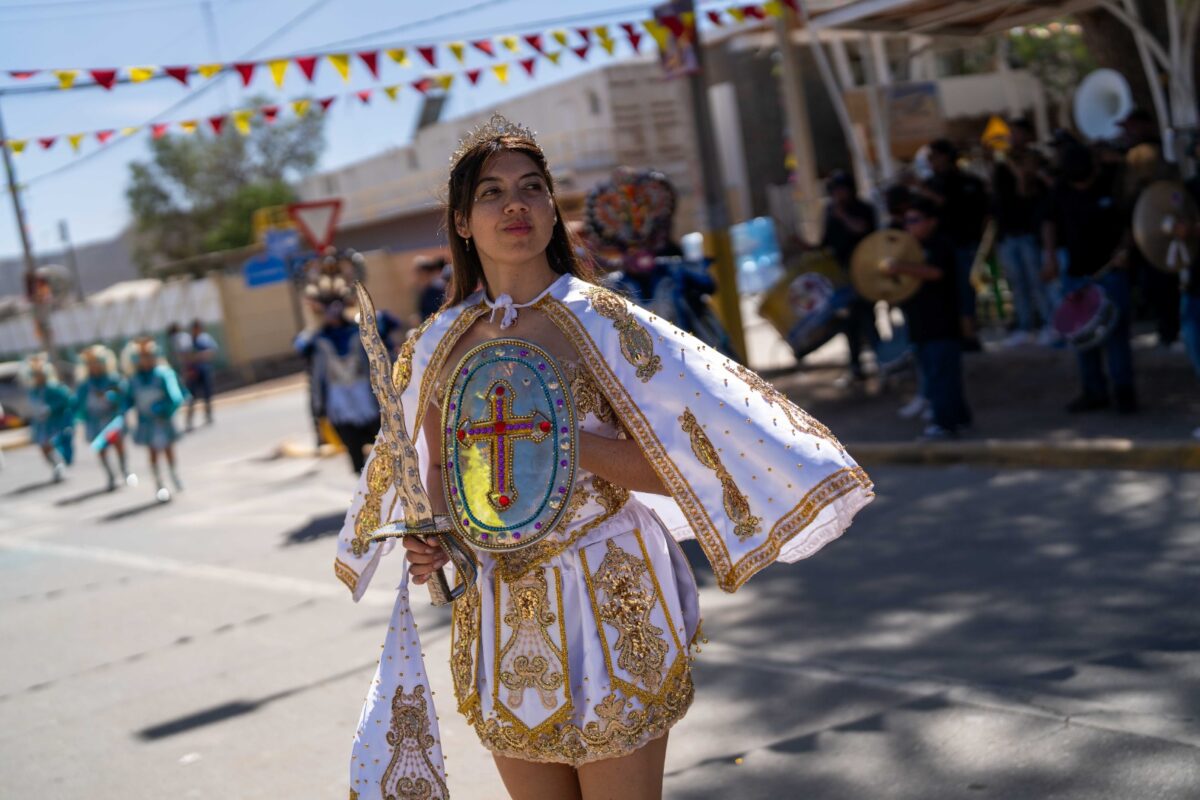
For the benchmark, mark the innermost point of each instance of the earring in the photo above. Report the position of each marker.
(467, 243)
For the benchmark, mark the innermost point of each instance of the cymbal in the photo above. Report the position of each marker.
(1159, 207)
(865, 266)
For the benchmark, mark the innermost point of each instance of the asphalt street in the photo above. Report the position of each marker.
(977, 634)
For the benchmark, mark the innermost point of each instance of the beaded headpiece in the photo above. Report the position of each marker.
(494, 128)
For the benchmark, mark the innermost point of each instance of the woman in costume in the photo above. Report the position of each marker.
(51, 413)
(155, 395)
(570, 656)
(101, 400)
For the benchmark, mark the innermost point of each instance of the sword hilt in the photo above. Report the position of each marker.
(441, 593)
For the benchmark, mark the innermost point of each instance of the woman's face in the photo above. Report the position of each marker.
(96, 368)
(146, 359)
(512, 218)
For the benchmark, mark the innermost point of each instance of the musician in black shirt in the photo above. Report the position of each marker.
(848, 220)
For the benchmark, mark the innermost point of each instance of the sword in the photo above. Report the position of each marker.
(418, 519)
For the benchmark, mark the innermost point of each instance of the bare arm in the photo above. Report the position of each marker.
(619, 461)
(426, 557)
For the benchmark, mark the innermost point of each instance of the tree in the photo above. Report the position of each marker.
(197, 193)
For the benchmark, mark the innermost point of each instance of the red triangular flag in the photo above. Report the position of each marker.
(527, 64)
(582, 52)
(535, 41)
(104, 136)
(159, 129)
(178, 73)
(473, 76)
(269, 113)
(326, 102)
(217, 124)
(307, 65)
(104, 77)
(246, 71)
(753, 11)
(715, 17)
(23, 74)
(585, 34)
(47, 142)
(635, 38)
(423, 85)
(674, 24)
(485, 46)
(364, 95)
(429, 54)
(371, 59)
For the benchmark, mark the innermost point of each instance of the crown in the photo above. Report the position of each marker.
(494, 128)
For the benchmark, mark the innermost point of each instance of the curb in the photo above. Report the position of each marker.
(1178, 454)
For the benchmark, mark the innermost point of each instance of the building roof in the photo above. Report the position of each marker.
(945, 17)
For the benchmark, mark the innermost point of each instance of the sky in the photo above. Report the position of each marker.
(87, 190)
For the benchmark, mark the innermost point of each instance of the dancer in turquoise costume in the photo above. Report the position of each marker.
(52, 425)
(155, 395)
(101, 400)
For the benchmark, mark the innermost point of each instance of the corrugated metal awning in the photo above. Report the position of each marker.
(945, 17)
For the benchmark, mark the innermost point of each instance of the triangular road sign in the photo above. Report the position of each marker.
(317, 220)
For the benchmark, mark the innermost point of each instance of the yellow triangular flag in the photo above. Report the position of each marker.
(511, 43)
(602, 33)
(501, 71)
(278, 70)
(997, 135)
(66, 77)
(399, 55)
(139, 74)
(301, 107)
(17, 145)
(555, 56)
(737, 13)
(444, 81)
(689, 20)
(75, 139)
(188, 126)
(773, 8)
(560, 37)
(241, 120)
(341, 62)
(660, 32)
(391, 91)
(130, 131)
(208, 70)
(608, 45)
(457, 48)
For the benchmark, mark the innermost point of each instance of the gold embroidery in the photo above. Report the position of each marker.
(345, 574)
(512, 566)
(610, 737)
(801, 420)
(745, 524)
(450, 338)
(379, 480)
(636, 344)
(410, 775)
(465, 626)
(353, 795)
(530, 658)
(588, 397)
(402, 369)
(625, 599)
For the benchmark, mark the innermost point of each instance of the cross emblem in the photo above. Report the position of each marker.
(499, 432)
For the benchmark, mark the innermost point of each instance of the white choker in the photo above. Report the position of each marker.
(505, 303)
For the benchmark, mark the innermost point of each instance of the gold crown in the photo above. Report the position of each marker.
(494, 128)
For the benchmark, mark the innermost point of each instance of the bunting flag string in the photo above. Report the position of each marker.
(579, 40)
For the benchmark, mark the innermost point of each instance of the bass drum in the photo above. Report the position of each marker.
(804, 306)
(1086, 318)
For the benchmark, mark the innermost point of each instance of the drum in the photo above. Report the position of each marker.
(804, 305)
(1086, 317)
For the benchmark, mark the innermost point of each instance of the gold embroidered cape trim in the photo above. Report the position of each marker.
(345, 574)
(370, 514)
(465, 653)
(745, 524)
(801, 420)
(402, 369)
(410, 773)
(636, 344)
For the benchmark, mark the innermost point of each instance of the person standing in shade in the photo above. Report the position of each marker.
(932, 318)
(961, 200)
(848, 220)
(1086, 218)
(199, 358)
(431, 284)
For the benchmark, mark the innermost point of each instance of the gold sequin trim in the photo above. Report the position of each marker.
(465, 625)
(512, 566)
(353, 795)
(588, 397)
(450, 338)
(745, 524)
(370, 514)
(801, 420)
(410, 775)
(345, 574)
(402, 369)
(636, 344)
(530, 659)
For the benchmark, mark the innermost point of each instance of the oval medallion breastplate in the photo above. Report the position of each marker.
(509, 444)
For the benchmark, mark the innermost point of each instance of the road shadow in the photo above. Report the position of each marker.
(83, 497)
(316, 528)
(133, 511)
(30, 488)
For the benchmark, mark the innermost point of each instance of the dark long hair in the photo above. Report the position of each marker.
(561, 252)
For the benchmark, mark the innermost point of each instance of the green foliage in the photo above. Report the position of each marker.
(1055, 54)
(197, 193)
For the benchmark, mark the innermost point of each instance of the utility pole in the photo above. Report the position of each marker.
(807, 193)
(716, 214)
(64, 234)
(36, 293)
